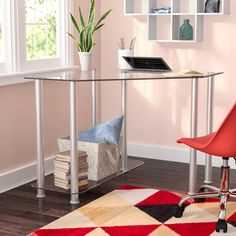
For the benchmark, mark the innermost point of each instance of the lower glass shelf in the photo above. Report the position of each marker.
(49, 180)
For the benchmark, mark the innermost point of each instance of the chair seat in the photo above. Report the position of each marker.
(202, 144)
(220, 143)
(197, 143)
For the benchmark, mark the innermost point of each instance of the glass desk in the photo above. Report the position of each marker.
(76, 76)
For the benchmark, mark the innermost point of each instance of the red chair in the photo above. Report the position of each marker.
(220, 143)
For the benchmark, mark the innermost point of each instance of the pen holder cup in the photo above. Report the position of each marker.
(122, 64)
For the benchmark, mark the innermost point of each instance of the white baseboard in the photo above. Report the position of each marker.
(27, 173)
(23, 175)
(171, 154)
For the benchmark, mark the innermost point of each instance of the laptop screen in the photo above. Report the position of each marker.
(147, 63)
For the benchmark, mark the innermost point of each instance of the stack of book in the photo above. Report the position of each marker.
(62, 167)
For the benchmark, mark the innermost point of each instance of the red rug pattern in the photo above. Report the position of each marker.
(137, 211)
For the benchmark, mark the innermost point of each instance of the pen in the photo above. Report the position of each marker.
(119, 45)
(132, 44)
(122, 41)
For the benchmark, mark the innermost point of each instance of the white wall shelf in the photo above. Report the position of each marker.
(165, 27)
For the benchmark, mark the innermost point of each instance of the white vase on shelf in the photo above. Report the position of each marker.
(85, 61)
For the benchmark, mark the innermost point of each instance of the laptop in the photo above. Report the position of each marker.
(147, 64)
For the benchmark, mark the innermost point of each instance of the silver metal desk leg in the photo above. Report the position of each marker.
(94, 102)
(39, 140)
(208, 162)
(123, 112)
(74, 151)
(193, 152)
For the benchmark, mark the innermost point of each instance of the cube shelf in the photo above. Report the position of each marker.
(164, 27)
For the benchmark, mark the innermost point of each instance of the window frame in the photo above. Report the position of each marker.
(4, 62)
(2, 15)
(15, 60)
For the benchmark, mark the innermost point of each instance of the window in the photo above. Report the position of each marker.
(4, 51)
(1, 30)
(35, 34)
(41, 29)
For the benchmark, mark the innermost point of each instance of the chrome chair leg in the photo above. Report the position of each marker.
(233, 190)
(223, 193)
(221, 223)
(232, 195)
(209, 187)
(223, 202)
(179, 209)
(199, 195)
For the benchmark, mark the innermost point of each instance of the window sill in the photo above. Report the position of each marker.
(18, 77)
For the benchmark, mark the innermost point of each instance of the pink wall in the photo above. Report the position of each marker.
(159, 111)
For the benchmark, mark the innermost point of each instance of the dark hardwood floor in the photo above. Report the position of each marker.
(21, 212)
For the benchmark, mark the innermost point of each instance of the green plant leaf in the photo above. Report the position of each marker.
(90, 41)
(81, 18)
(91, 18)
(82, 40)
(75, 23)
(71, 36)
(102, 18)
(98, 27)
(79, 47)
(91, 12)
(85, 40)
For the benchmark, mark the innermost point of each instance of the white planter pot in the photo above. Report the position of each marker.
(122, 64)
(85, 61)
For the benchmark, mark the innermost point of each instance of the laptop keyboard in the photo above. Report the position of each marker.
(148, 70)
(147, 64)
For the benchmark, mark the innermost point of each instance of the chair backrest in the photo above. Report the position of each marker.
(224, 140)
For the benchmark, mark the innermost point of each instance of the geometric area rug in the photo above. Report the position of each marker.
(138, 211)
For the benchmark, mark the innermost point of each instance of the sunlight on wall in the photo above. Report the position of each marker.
(145, 89)
(186, 62)
(224, 46)
(140, 32)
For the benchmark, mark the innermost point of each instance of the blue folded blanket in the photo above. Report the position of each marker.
(108, 131)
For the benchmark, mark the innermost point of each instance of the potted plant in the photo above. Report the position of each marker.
(85, 30)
